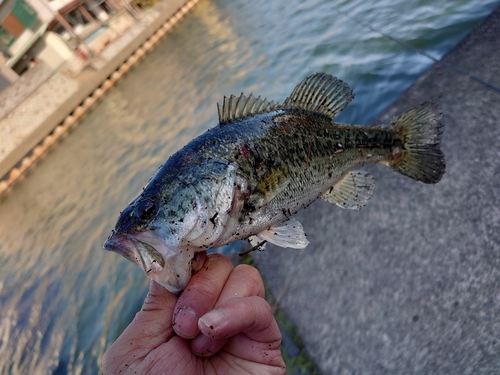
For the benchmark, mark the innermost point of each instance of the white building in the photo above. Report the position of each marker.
(57, 32)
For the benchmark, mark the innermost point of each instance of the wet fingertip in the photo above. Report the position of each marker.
(202, 346)
(206, 345)
(211, 320)
(185, 323)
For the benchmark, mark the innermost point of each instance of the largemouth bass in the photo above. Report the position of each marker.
(248, 176)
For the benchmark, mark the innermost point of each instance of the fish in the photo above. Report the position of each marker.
(246, 177)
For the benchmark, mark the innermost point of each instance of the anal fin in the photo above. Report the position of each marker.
(287, 234)
(352, 191)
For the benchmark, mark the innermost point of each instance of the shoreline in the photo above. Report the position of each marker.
(82, 91)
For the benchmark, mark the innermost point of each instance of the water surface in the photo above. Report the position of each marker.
(63, 299)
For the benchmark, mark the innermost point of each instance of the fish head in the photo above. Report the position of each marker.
(166, 229)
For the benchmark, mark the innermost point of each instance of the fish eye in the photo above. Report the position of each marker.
(145, 209)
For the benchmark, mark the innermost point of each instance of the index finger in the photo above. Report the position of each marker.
(201, 294)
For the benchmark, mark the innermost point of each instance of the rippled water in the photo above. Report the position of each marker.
(63, 299)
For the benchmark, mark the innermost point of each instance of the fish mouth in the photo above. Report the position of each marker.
(122, 245)
(171, 268)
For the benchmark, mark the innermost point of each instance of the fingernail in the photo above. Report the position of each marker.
(213, 319)
(202, 346)
(186, 323)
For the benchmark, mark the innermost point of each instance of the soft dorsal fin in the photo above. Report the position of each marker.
(320, 93)
(239, 107)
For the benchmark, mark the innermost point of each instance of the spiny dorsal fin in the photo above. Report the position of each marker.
(239, 107)
(320, 93)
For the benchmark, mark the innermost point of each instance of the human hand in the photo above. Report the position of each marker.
(220, 324)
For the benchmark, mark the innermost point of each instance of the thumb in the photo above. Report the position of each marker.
(151, 327)
(158, 298)
(154, 321)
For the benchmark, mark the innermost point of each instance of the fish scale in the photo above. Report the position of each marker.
(310, 151)
(264, 161)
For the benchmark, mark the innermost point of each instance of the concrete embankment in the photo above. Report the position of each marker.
(411, 283)
(33, 123)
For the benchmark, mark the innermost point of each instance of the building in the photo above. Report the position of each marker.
(64, 34)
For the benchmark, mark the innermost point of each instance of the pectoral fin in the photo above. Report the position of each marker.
(352, 191)
(287, 234)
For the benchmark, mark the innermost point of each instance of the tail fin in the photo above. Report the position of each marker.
(421, 157)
